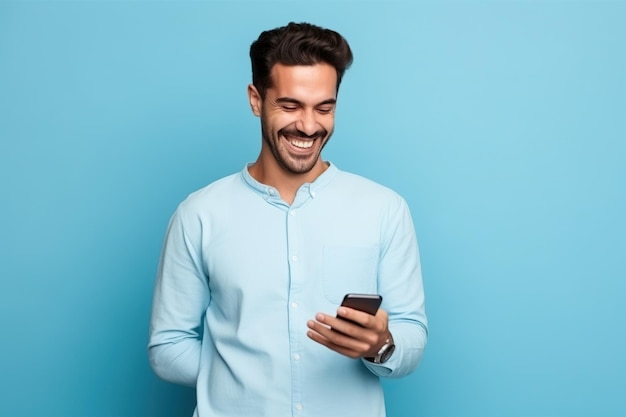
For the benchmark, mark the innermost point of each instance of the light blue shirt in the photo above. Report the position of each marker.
(240, 274)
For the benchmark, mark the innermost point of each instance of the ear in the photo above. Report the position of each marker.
(255, 100)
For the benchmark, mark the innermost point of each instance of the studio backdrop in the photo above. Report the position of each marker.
(501, 123)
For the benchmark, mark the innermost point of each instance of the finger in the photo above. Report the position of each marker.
(339, 349)
(376, 323)
(353, 315)
(337, 337)
(322, 340)
(345, 327)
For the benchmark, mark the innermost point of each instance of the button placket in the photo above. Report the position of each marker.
(295, 318)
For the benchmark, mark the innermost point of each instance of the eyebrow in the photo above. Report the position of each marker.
(298, 102)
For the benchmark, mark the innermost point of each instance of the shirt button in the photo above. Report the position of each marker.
(294, 258)
(299, 407)
(296, 357)
(271, 191)
(292, 212)
(294, 305)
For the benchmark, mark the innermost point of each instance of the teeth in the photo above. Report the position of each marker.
(301, 143)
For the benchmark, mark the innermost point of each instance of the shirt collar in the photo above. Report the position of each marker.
(270, 192)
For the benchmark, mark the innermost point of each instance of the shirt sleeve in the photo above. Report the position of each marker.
(181, 297)
(400, 283)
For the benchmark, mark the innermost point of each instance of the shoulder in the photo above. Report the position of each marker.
(211, 195)
(355, 186)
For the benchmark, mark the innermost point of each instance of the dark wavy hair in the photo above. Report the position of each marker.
(297, 44)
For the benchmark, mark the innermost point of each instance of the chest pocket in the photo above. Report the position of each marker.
(349, 269)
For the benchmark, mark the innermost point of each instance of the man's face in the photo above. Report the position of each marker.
(298, 115)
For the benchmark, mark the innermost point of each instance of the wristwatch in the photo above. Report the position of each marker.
(385, 351)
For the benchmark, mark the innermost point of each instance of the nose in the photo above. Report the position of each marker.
(307, 123)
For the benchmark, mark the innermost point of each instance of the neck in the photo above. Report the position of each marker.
(267, 171)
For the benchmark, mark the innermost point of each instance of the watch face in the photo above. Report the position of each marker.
(384, 357)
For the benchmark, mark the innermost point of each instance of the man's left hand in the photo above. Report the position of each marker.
(352, 333)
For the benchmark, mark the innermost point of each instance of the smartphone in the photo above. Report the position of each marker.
(368, 303)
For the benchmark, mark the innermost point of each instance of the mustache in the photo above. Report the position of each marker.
(299, 134)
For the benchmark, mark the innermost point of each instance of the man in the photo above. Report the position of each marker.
(255, 265)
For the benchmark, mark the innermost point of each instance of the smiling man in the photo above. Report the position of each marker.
(255, 265)
(297, 119)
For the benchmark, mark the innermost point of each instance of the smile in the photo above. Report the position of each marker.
(300, 143)
(304, 144)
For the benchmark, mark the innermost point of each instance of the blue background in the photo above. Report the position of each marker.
(502, 123)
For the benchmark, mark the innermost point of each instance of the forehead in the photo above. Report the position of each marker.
(304, 82)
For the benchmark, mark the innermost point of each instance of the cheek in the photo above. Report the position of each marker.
(328, 124)
(278, 122)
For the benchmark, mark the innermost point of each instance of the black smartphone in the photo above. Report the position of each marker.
(368, 303)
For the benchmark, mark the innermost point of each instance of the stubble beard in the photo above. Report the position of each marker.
(290, 163)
